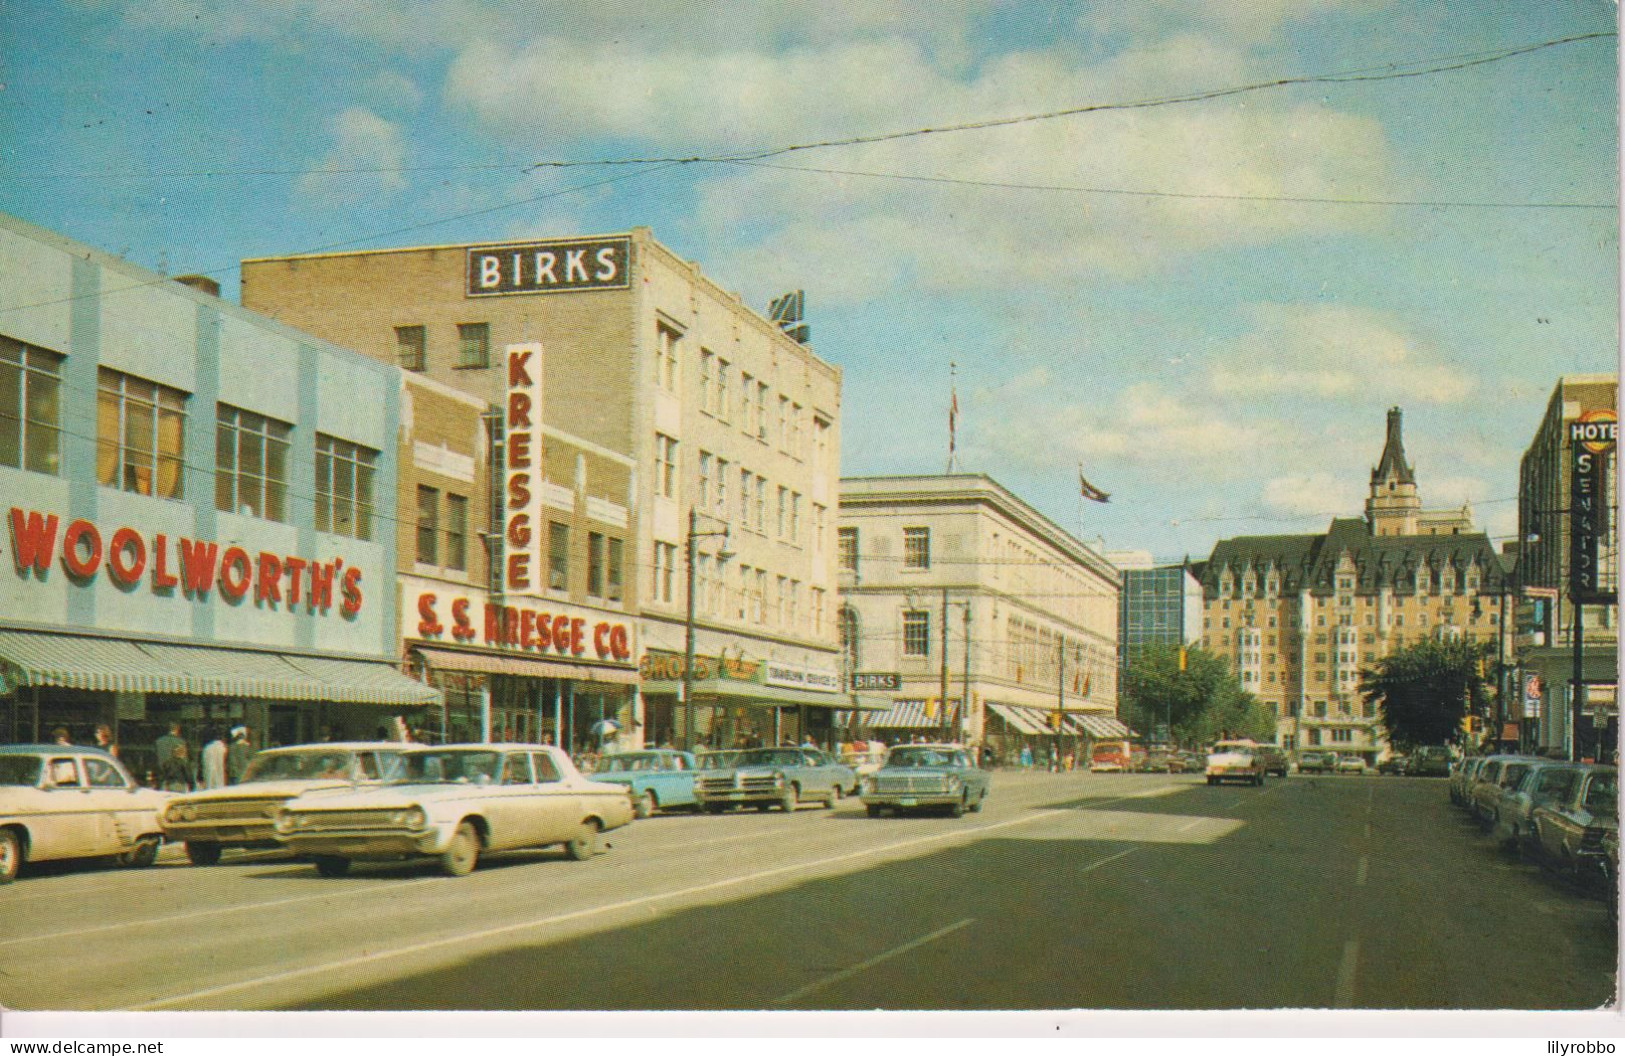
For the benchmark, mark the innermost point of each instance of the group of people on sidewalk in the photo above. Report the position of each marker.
(218, 764)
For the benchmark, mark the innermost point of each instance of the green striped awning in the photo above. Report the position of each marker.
(30, 658)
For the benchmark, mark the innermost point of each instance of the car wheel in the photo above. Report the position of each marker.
(330, 865)
(143, 854)
(646, 805)
(585, 845)
(1212, 780)
(715, 808)
(874, 809)
(464, 850)
(200, 853)
(976, 808)
(834, 797)
(957, 808)
(11, 856)
(787, 802)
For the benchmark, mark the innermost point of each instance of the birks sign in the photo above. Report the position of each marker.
(550, 267)
(522, 469)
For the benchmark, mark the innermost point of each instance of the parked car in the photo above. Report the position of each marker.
(655, 779)
(1275, 760)
(926, 776)
(1610, 869)
(1432, 760)
(1545, 781)
(1110, 757)
(1395, 765)
(453, 803)
(863, 761)
(1462, 778)
(1350, 764)
(768, 777)
(60, 802)
(1152, 763)
(1569, 831)
(242, 815)
(1489, 773)
(1488, 792)
(1317, 762)
(1235, 761)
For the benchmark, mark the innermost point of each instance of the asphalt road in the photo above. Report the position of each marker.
(1068, 891)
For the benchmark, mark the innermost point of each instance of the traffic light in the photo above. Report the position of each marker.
(1182, 658)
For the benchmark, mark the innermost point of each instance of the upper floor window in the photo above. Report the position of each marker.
(761, 410)
(846, 548)
(30, 407)
(613, 569)
(344, 478)
(666, 342)
(473, 344)
(916, 548)
(140, 435)
(558, 556)
(665, 466)
(411, 347)
(916, 632)
(724, 399)
(428, 525)
(250, 463)
(597, 555)
(457, 532)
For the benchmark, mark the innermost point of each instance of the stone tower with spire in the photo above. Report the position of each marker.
(1393, 507)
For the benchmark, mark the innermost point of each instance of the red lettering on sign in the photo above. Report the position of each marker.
(518, 410)
(295, 568)
(197, 566)
(519, 530)
(493, 624)
(518, 450)
(162, 579)
(519, 490)
(561, 633)
(519, 368)
(527, 628)
(321, 584)
(81, 566)
(268, 585)
(427, 624)
(578, 637)
(599, 645)
(235, 572)
(510, 625)
(518, 571)
(32, 539)
(462, 627)
(126, 540)
(618, 644)
(351, 590)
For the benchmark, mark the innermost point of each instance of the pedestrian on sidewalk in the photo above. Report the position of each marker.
(104, 739)
(213, 772)
(174, 768)
(238, 753)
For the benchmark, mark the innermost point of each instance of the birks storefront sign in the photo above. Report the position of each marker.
(550, 267)
(196, 568)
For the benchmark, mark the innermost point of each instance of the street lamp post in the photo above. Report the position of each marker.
(690, 548)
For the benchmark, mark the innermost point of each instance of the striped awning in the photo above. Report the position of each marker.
(1019, 717)
(904, 715)
(526, 667)
(30, 658)
(1105, 726)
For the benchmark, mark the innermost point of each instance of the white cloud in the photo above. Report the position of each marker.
(1311, 494)
(365, 160)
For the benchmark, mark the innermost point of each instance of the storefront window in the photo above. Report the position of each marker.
(30, 407)
(140, 431)
(250, 464)
(344, 477)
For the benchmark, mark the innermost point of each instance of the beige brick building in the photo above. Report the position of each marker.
(661, 397)
(1298, 616)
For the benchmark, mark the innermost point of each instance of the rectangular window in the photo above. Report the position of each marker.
(819, 514)
(744, 497)
(344, 476)
(916, 633)
(720, 503)
(250, 463)
(916, 548)
(473, 345)
(665, 466)
(428, 525)
(411, 347)
(30, 407)
(759, 598)
(846, 549)
(784, 423)
(784, 511)
(761, 504)
(665, 560)
(708, 369)
(457, 532)
(140, 434)
(558, 556)
(702, 584)
(761, 410)
(747, 408)
(596, 555)
(614, 569)
(795, 518)
(795, 429)
(703, 498)
(724, 390)
(666, 354)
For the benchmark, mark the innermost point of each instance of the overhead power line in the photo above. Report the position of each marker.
(1387, 72)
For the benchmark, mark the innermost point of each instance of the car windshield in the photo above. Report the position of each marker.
(450, 766)
(922, 757)
(299, 766)
(620, 764)
(1602, 795)
(768, 757)
(19, 770)
(715, 761)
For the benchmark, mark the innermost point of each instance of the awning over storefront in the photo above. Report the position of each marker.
(709, 691)
(904, 715)
(1018, 717)
(525, 667)
(1105, 726)
(30, 658)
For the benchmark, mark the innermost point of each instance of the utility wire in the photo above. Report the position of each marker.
(1388, 72)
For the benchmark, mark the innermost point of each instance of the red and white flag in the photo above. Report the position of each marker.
(1090, 491)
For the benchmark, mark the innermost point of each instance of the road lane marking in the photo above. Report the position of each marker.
(1365, 865)
(863, 966)
(1344, 995)
(1188, 826)
(580, 914)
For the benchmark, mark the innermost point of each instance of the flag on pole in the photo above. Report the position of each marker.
(953, 418)
(1089, 490)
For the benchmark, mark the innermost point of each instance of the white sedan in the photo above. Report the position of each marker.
(452, 803)
(61, 802)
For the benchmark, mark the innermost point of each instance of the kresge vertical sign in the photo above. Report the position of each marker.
(1591, 440)
(522, 469)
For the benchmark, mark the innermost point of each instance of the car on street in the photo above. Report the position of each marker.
(1395, 765)
(1153, 762)
(59, 802)
(1431, 760)
(864, 759)
(1235, 761)
(1545, 781)
(1110, 757)
(926, 777)
(1462, 778)
(243, 815)
(1610, 879)
(1275, 759)
(1317, 762)
(1350, 764)
(1488, 793)
(1569, 831)
(773, 777)
(1477, 788)
(454, 803)
(655, 779)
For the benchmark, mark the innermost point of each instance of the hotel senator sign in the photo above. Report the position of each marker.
(550, 267)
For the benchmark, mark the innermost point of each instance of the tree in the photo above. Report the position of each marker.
(1424, 690)
(1200, 703)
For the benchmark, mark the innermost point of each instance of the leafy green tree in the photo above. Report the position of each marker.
(1424, 690)
(1201, 702)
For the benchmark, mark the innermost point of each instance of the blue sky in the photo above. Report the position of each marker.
(1221, 364)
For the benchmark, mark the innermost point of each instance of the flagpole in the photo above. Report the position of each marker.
(953, 415)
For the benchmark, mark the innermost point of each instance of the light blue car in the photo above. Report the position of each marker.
(656, 779)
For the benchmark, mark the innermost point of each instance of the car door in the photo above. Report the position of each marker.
(116, 820)
(558, 808)
(67, 828)
(678, 773)
(820, 775)
(511, 806)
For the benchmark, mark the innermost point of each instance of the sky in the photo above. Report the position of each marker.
(1207, 305)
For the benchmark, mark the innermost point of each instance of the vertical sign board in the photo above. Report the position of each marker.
(522, 471)
(1591, 441)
